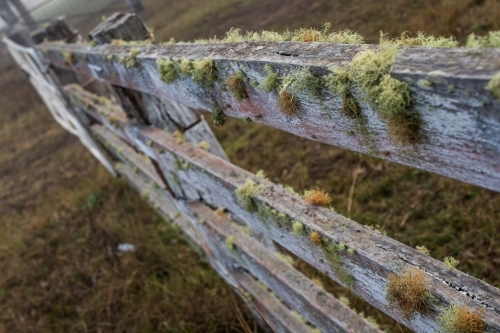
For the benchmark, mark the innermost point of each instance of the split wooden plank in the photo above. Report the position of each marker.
(126, 153)
(460, 119)
(316, 305)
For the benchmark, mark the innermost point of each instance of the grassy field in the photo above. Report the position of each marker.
(62, 215)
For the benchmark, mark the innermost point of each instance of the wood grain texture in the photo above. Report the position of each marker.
(214, 180)
(460, 119)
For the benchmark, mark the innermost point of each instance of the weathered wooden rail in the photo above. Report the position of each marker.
(160, 143)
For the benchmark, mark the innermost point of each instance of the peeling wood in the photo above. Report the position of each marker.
(460, 118)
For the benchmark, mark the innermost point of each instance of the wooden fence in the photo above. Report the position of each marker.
(151, 129)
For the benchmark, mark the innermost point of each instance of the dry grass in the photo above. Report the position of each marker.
(407, 291)
(317, 197)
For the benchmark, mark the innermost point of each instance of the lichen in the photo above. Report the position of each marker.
(271, 81)
(458, 319)
(494, 86)
(246, 193)
(204, 72)
(261, 174)
(179, 136)
(185, 67)
(247, 120)
(317, 197)
(492, 40)
(69, 58)
(423, 249)
(407, 291)
(451, 262)
(302, 81)
(297, 227)
(230, 240)
(218, 116)
(288, 103)
(332, 254)
(203, 145)
(237, 87)
(424, 40)
(316, 238)
(286, 258)
(391, 96)
(168, 69)
(130, 60)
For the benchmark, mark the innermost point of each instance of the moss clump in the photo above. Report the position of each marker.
(405, 127)
(288, 103)
(230, 240)
(185, 67)
(204, 72)
(317, 197)
(297, 227)
(457, 319)
(408, 292)
(423, 249)
(332, 251)
(492, 40)
(218, 117)
(424, 40)
(350, 106)
(168, 69)
(247, 120)
(301, 35)
(181, 138)
(261, 174)
(494, 86)
(237, 87)
(286, 258)
(130, 60)
(451, 262)
(272, 81)
(316, 238)
(303, 81)
(246, 192)
(425, 83)
(204, 145)
(391, 96)
(69, 58)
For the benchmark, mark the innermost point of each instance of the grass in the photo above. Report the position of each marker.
(449, 217)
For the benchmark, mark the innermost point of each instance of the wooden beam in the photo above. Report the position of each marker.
(460, 119)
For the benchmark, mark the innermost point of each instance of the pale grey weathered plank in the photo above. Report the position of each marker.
(461, 121)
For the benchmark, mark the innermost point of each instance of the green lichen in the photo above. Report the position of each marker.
(391, 96)
(185, 67)
(451, 262)
(423, 249)
(204, 72)
(271, 81)
(286, 258)
(331, 250)
(457, 319)
(169, 70)
(302, 81)
(494, 86)
(246, 193)
(218, 116)
(261, 174)
(297, 227)
(69, 58)
(236, 86)
(230, 240)
(130, 60)
(491, 40)
(424, 40)
(425, 83)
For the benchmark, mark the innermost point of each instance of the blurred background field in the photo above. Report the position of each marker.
(62, 215)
